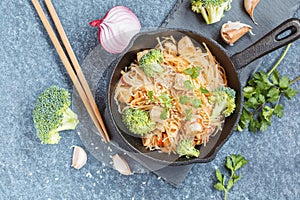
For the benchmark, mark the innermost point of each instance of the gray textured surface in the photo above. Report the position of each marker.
(29, 170)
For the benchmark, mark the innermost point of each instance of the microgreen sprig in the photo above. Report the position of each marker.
(195, 102)
(233, 163)
(262, 98)
(166, 100)
(194, 72)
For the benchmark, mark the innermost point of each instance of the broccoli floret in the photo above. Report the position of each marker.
(138, 121)
(52, 114)
(150, 62)
(223, 99)
(211, 10)
(186, 148)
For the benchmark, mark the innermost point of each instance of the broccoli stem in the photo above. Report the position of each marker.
(69, 122)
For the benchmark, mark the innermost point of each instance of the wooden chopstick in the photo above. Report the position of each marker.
(75, 63)
(85, 94)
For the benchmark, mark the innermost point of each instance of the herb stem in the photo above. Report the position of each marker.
(280, 59)
(295, 80)
(278, 100)
(225, 194)
(258, 108)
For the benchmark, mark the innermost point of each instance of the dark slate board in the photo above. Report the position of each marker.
(268, 14)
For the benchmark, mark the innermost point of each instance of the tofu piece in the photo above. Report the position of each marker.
(155, 114)
(179, 81)
(124, 96)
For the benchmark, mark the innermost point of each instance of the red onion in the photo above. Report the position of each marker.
(116, 28)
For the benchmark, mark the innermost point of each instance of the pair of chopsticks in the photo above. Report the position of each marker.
(74, 71)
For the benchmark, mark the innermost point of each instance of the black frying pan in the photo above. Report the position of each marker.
(285, 33)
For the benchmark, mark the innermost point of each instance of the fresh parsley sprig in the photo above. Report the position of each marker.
(233, 163)
(195, 102)
(166, 100)
(262, 98)
(194, 72)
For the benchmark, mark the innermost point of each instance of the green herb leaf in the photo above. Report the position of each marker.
(204, 90)
(284, 82)
(273, 94)
(229, 163)
(196, 103)
(219, 176)
(260, 80)
(229, 184)
(245, 119)
(254, 125)
(219, 186)
(188, 85)
(249, 91)
(260, 98)
(278, 110)
(264, 124)
(239, 162)
(164, 114)
(188, 113)
(166, 100)
(290, 93)
(251, 103)
(184, 99)
(188, 71)
(275, 77)
(193, 72)
(267, 113)
(150, 95)
(236, 178)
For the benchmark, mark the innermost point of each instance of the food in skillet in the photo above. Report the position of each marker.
(175, 96)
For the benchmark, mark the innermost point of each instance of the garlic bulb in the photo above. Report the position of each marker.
(79, 157)
(250, 6)
(232, 31)
(121, 165)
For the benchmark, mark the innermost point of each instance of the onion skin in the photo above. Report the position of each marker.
(116, 28)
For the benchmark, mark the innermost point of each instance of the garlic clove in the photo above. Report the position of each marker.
(249, 6)
(79, 157)
(121, 165)
(233, 31)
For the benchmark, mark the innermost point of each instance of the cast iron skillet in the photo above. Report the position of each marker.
(285, 33)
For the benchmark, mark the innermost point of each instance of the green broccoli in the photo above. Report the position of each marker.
(186, 148)
(138, 121)
(211, 10)
(223, 99)
(52, 114)
(150, 62)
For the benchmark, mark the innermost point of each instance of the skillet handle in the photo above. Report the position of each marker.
(284, 34)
